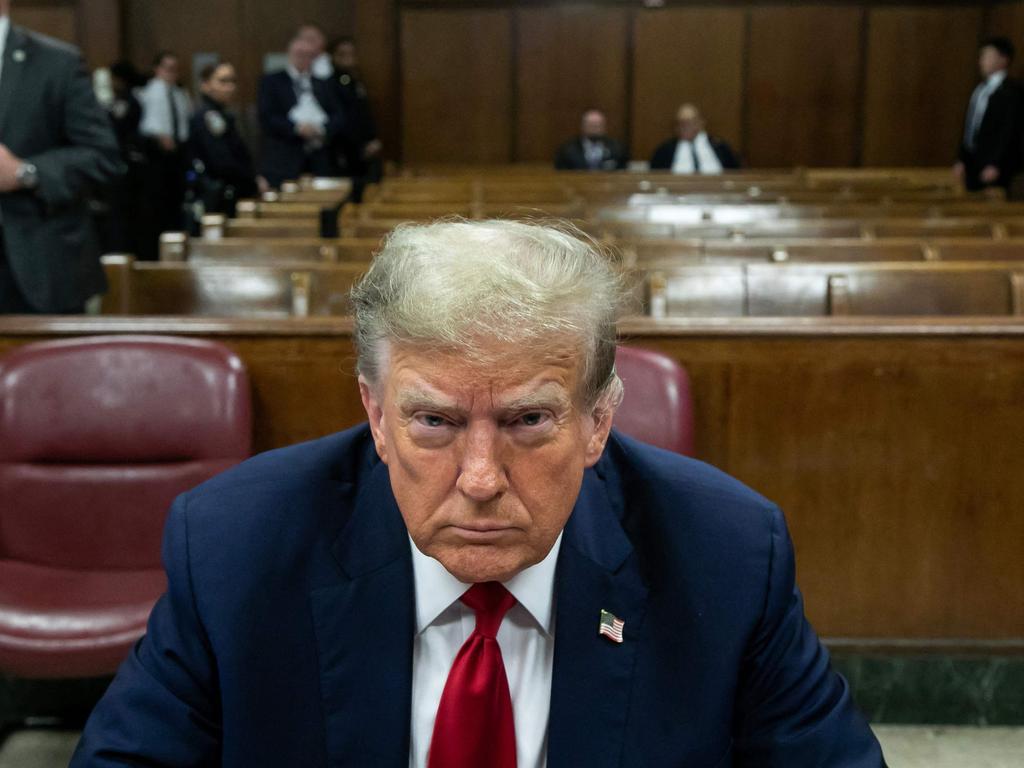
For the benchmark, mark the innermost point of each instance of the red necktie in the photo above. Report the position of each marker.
(474, 726)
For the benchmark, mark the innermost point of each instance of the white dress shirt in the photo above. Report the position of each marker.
(307, 109)
(979, 103)
(526, 638)
(682, 162)
(156, 98)
(5, 26)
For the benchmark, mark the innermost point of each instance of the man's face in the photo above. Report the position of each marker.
(593, 125)
(689, 124)
(167, 70)
(222, 84)
(990, 61)
(314, 38)
(485, 462)
(345, 56)
(301, 53)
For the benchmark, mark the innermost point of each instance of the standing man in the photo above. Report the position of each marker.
(592, 150)
(358, 148)
(299, 114)
(990, 152)
(218, 152)
(56, 149)
(692, 150)
(164, 128)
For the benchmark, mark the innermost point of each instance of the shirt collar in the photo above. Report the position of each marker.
(702, 136)
(437, 589)
(995, 79)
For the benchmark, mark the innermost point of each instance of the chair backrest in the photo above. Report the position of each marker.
(657, 407)
(99, 434)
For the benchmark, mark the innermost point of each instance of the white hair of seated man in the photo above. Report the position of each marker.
(477, 286)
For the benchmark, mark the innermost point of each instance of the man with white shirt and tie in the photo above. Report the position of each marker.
(57, 149)
(164, 127)
(692, 150)
(990, 150)
(300, 115)
(484, 575)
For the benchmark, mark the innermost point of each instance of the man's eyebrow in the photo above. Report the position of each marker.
(550, 396)
(411, 399)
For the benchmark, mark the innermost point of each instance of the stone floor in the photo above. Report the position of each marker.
(905, 747)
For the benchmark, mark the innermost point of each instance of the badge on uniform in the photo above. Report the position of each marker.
(215, 122)
(18, 55)
(345, 79)
(611, 626)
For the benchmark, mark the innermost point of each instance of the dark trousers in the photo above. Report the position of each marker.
(11, 300)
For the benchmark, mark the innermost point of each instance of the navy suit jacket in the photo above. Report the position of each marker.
(665, 153)
(286, 634)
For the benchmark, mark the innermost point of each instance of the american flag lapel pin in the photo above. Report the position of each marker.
(611, 626)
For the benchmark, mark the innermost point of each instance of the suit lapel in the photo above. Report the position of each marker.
(15, 63)
(364, 632)
(592, 676)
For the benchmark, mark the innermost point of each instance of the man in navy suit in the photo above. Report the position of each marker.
(485, 574)
(300, 115)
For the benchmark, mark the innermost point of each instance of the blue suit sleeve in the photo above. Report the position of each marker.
(163, 707)
(794, 709)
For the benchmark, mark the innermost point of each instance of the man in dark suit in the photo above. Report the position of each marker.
(485, 574)
(56, 147)
(692, 150)
(592, 150)
(990, 151)
(359, 148)
(300, 116)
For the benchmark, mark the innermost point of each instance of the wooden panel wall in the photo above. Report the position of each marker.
(687, 55)
(1007, 19)
(921, 68)
(786, 83)
(802, 86)
(456, 86)
(568, 60)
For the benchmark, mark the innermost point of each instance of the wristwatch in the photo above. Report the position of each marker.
(27, 176)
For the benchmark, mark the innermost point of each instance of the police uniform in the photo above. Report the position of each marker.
(220, 158)
(361, 130)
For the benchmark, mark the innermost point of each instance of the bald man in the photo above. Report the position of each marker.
(691, 150)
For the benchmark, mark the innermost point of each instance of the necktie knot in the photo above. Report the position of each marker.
(490, 602)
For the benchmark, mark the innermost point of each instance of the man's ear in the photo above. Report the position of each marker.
(375, 414)
(602, 420)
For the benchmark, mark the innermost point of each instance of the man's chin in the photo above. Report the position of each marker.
(474, 563)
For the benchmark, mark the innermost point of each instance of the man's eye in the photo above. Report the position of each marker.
(532, 419)
(431, 420)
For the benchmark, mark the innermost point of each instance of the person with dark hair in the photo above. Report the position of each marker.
(164, 129)
(592, 150)
(990, 151)
(692, 149)
(219, 156)
(57, 151)
(299, 114)
(358, 148)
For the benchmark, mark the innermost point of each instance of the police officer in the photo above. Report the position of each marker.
(222, 167)
(358, 147)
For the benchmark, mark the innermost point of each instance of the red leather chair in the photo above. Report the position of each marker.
(97, 437)
(657, 407)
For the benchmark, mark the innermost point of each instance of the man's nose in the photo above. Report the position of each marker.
(482, 474)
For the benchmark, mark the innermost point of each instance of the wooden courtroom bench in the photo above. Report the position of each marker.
(893, 446)
(219, 290)
(215, 226)
(814, 289)
(178, 247)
